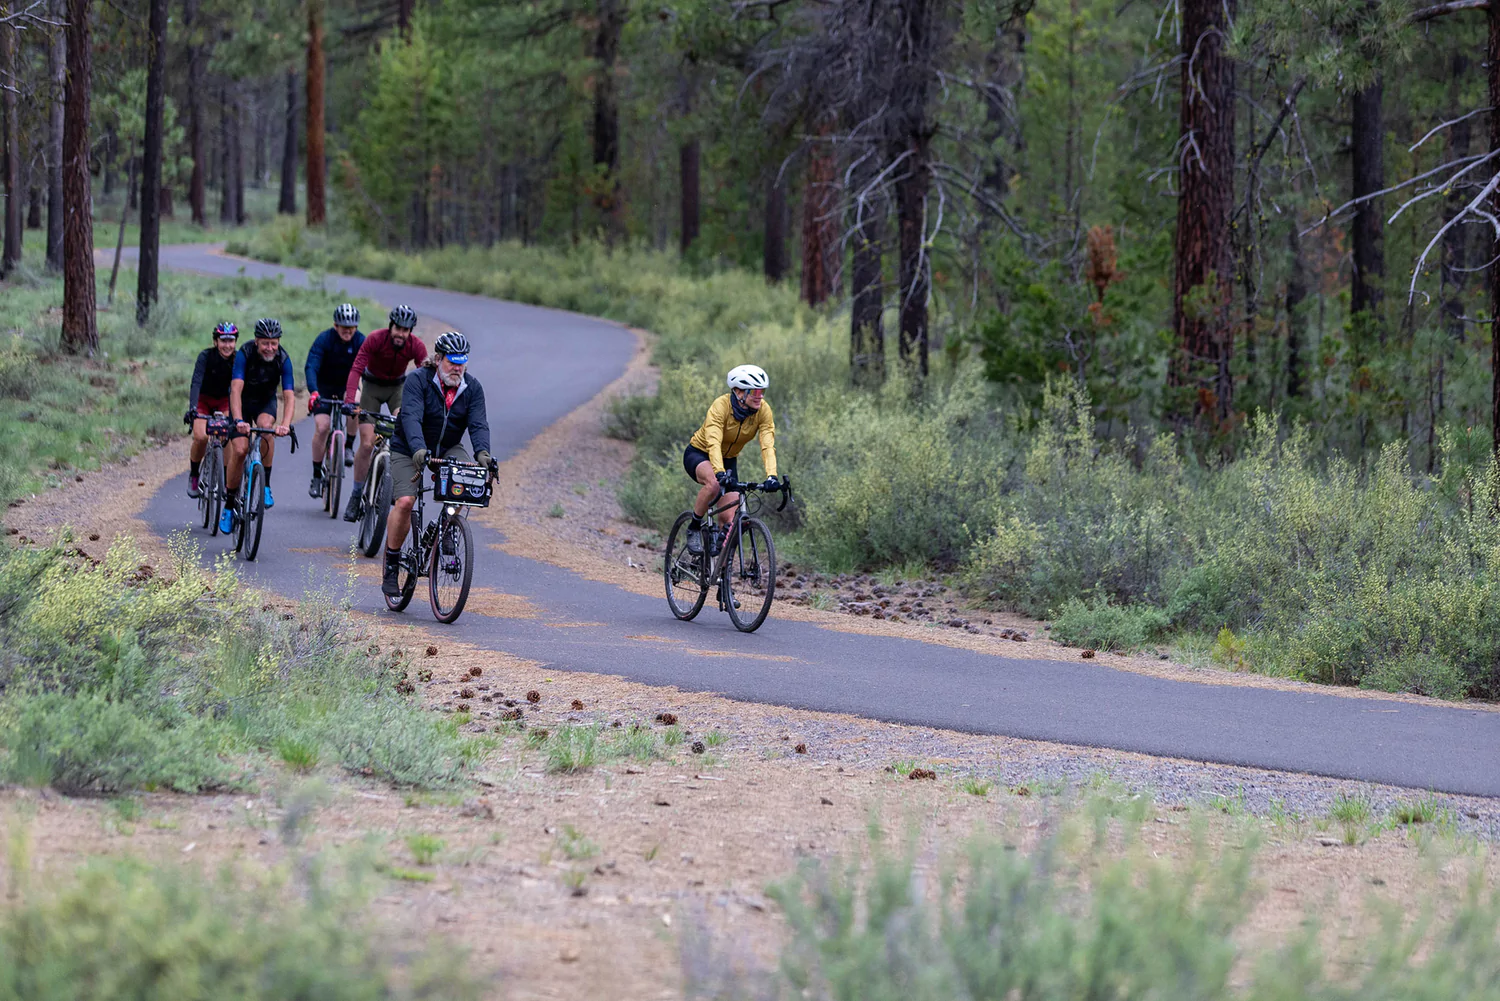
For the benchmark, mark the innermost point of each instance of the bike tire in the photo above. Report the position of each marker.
(750, 575)
(254, 514)
(450, 574)
(211, 491)
(408, 580)
(685, 575)
(372, 524)
(333, 476)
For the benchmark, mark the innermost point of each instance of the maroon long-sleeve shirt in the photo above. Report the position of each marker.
(381, 362)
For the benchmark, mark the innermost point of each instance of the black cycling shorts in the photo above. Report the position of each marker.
(693, 456)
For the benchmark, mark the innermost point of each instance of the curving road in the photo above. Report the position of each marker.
(538, 365)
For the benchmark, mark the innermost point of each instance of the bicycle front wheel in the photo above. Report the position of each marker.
(684, 572)
(372, 524)
(211, 491)
(750, 576)
(333, 476)
(409, 562)
(451, 569)
(253, 513)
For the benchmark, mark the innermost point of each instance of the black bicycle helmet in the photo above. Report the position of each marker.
(268, 328)
(226, 329)
(452, 343)
(346, 316)
(404, 316)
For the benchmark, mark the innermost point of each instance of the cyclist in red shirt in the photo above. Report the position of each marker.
(381, 366)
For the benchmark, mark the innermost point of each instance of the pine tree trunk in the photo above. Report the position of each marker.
(197, 197)
(262, 125)
(609, 198)
(1296, 323)
(225, 168)
(689, 170)
(236, 126)
(288, 204)
(1492, 66)
(866, 315)
(1455, 243)
(80, 326)
(916, 266)
(146, 271)
(775, 232)
(1202, 288)
(317, 205)
(1368, 177)
(821, 258)
(14, 192)
(403, 18)
(34, 206)
(57, 71)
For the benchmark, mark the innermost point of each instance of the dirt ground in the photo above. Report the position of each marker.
(579, 886)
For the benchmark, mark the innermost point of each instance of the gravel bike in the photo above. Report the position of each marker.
(443, 551)
(212, 493)
(333, 459)
(743, 567)
(375, 502)
(249, 518)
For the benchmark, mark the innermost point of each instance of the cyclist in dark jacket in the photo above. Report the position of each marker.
(209, 394)
(376, 379)
(261, 393)
(329, 361)
(439, 402)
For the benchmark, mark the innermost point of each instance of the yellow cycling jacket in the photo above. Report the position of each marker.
(722, 437)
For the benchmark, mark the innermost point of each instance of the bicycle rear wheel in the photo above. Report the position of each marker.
(211, 490)
(372, 523)
(750, 576)
(254, 514)
(451, 569)
(333, 475)
(409, 562)
(684, 573)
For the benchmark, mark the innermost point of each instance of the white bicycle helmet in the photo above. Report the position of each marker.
(748, 377)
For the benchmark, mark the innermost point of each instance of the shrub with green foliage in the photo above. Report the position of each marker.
(125, 932)
(1103, 626)
(1001, 924)
(118, 677)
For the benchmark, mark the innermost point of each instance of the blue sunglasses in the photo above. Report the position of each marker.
(457, 359)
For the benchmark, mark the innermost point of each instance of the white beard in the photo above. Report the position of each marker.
(452, 379)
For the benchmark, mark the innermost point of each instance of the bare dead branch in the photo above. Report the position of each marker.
(1416, 272)
(1438, 128)
(1480, 157)
(1443, 9)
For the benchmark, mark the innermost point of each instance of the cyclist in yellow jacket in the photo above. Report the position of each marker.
(712, 455)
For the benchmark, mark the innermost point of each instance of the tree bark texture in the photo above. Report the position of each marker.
(1492, 66)
(226, 156)
(33, 206)
(197, 198)
(156, 72)
(775, 232)
(821, 256)
(1296, 323)
(80, 327)
(689, 170)
(57, 71)
(317, 203)
(14, 192)
(608, 198)
(237, 150)
(1455, 243)
(1368, 172)
(1203, 279)
(288, 204)
(911, 144)
(403, 17)
(866, 315)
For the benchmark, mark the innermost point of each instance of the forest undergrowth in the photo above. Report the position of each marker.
(1288, 558)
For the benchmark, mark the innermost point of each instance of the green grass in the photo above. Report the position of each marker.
(424, 848)
(573, 844)
(260, 207)
(299, 754)
(555, 511)
(573, 748)
(976, 787)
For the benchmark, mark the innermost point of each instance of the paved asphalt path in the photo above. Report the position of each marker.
(538, 365)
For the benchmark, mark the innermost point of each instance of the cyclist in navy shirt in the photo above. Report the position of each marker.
(259, 369)
(328, 363)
